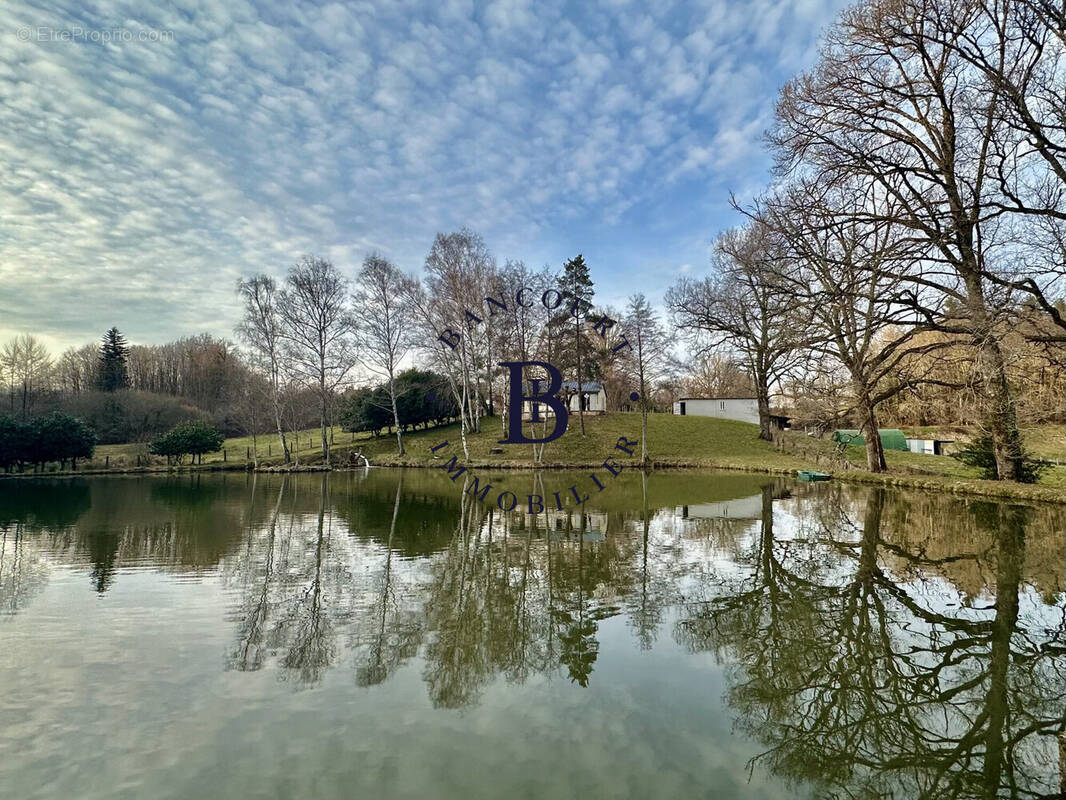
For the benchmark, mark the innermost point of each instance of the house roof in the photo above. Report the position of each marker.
(571, 386)
(714, 398)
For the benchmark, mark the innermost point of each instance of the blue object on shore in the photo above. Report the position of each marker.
(812, 475)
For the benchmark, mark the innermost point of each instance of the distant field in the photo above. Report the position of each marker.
(235, 450)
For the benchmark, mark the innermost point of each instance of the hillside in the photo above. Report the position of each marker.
(674, 441)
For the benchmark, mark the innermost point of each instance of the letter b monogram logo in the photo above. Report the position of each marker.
(517, 400)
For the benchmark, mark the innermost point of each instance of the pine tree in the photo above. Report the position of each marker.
(578, 357)
(113, 354)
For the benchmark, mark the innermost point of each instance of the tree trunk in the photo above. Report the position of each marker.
(643, 433)
(762, 392)
(875, 449)
(323, 411)
(276, 398)
(395, 414)
(1001, 417)
(580, 399)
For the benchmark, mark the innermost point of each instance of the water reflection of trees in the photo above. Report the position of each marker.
(515, 595)
(183, 524)
(863, 668)
(881, 644)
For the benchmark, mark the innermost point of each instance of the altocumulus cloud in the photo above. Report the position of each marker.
(140, 176)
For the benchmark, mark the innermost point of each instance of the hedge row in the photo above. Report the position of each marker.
(58, 438)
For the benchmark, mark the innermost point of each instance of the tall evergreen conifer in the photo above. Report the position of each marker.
(113, 355)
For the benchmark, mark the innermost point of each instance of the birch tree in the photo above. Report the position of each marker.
(261, 332)
(317, 330)
(458, 268)
(384, 298)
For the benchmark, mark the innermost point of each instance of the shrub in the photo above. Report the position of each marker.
(366, 411)
(12, 442)
(422, 398)
(62, 438)
(54, 438)
(189, 438)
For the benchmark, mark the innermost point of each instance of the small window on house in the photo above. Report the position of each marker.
(723, 405)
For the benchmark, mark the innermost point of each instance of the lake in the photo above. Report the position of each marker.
(382, 634)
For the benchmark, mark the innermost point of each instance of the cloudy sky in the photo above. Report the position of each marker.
(139, 177)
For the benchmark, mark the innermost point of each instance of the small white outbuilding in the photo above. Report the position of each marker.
(743, 409)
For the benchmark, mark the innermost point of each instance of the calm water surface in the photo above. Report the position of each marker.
(378, 635)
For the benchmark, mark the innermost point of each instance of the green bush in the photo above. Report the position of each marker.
(188, 439)
(56, 438)
(422, 398)
(366, 411)
(13, 445)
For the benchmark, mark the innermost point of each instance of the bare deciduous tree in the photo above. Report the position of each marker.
(849, 262)
(261, 331)
(317, 330)
(649, 357)
(26, 365)
(459, 276)
(890, 103)
(384, 297)
(745, 307)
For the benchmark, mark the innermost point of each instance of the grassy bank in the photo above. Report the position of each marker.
(1046, 442)
(673, 442)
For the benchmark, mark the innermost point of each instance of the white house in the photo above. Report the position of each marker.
(750, 508)
(929, 447)
(592, 396)
(743, 409)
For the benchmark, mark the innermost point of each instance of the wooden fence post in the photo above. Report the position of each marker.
(223, 455)
(107, 462)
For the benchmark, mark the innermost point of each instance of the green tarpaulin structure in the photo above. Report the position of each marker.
(891, 438)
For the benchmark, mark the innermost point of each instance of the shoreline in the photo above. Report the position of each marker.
(966, 487)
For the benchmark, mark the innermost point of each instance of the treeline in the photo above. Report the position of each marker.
(55, 438)
(907, 265)
(132, 393)
(465, 315)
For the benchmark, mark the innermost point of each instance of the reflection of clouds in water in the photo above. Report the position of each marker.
(356, 581)
(877, 685)
(24, 569)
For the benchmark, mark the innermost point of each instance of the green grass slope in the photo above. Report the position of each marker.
(672, 441)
